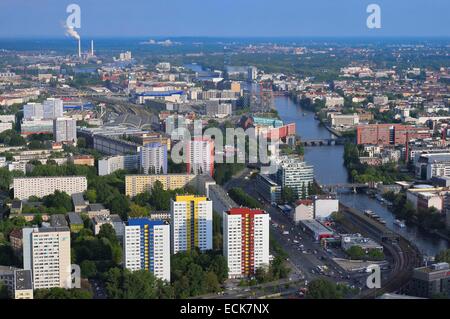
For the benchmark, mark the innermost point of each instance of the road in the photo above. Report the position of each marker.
(305, 255)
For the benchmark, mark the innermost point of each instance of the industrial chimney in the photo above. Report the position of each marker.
(79, 48)
(92, 47)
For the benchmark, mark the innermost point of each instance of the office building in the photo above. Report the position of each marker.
(191, 219)
(147, 246)
(36, 127)
(153, 158)
(33, 111)
(431, 280)
(433, 165)
(65, 129)
(200, 157)
(268, 188)
(52, 108)
(24, 187)
(46, 252)
(245, 241)
(295, 174)
(390, 134)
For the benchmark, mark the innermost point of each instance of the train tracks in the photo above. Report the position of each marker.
(405, 256)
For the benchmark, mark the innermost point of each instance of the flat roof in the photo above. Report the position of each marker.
(23, 280)
(316, 227)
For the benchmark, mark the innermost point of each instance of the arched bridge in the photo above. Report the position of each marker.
(322, 142)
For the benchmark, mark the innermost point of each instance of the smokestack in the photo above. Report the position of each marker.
(92, 47)
(79, 47)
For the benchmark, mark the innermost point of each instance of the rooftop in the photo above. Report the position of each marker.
(74, 218)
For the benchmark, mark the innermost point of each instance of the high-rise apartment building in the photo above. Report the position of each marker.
(52, 108)
(245, 240)
(33, 111)
(111, 164)
(147, 246)
(24, 187)
(46, 252)
(153, 158)
(65, 129)
(200, 156)
(191, 221)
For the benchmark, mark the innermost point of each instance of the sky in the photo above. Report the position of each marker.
(225, 18)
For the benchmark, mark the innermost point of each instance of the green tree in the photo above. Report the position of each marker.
(61, 293)
(138, 211)
(4, 294)
(88, 269)
(107, 231)
(323, 289)
(375, 254)
(356, 252)
(288, 195)
(91, 195)
(443, 256)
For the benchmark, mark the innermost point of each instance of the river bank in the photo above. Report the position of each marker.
(329, 168)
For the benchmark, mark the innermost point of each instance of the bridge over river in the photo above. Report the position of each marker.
(322, 142)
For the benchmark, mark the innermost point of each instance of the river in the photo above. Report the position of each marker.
(329, 168)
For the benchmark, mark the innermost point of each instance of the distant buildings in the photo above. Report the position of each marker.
(87, 160)
(114, 220)
(65, 129)
(390, 134)
(245, 241)
(430, 281)
(111, 164)
(153, 158)
(46, 252)
(147, 246)
(366, 244)
(303, 211)
(295, 174)
(137, 184)
(53, 108)
(200, 157)
(48, 110)
(24, 187)
(191, 221)
(433, 165)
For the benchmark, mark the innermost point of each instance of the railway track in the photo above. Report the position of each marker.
(405, 256)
